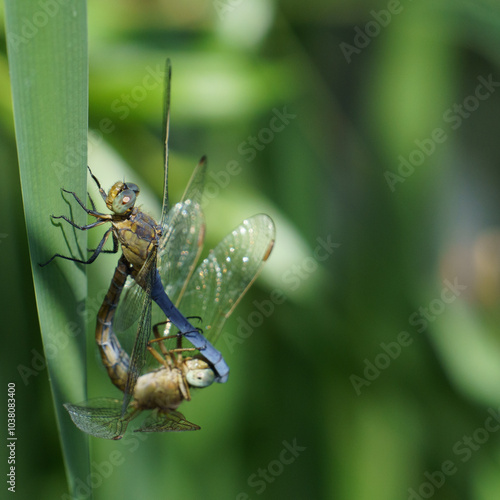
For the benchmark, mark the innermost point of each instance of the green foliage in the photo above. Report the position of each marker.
(47, 48)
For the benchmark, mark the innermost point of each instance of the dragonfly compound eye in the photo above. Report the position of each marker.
(124, 202)
(133, 187)
(198, 373)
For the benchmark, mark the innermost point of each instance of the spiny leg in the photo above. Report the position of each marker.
(167, 354)
(167, 360)
(113, 250)
(82, 228)
(80, 202)
(178, 336)
(155, 327)
(159, 337)
(92, 257)
(179, 348)
(163, 361)
(91, 201)
(101, 190)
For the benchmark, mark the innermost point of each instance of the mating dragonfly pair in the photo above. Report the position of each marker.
(158, 264)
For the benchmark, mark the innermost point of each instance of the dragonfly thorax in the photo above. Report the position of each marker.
(138, 235)
(121, 197)
(161, 389)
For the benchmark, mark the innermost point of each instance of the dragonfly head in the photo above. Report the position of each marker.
(198, 373)
(121, 197)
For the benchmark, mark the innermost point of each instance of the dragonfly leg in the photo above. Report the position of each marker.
(158, 357)
(90, 260)
(80, 202)
(159, 338)
(155, 328)
(114, 250)
(157, 334)
(82, 228)
(183, 386)
(163, 349)
(101, 190)
(178, 336)
(91, 202)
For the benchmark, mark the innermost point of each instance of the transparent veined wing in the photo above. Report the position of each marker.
(168, 85)
(221, 280)
(138, 355)
(180, 247)
(183, 233)
(101, 417)
(172, 421)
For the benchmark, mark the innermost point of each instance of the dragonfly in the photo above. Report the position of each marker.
(213, 292)
(148, 248)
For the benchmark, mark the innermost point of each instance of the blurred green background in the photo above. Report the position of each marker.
(383, 182)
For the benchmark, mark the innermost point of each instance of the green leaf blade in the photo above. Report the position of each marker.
(47, 49)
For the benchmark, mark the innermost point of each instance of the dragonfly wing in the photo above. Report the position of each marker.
(173, 421)
(183, 228)
(193, 192)
(166, 125)
(196, 184)
(129, 307)
(222, 279)
(100, 417)
(138, 356)
(180, 246)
